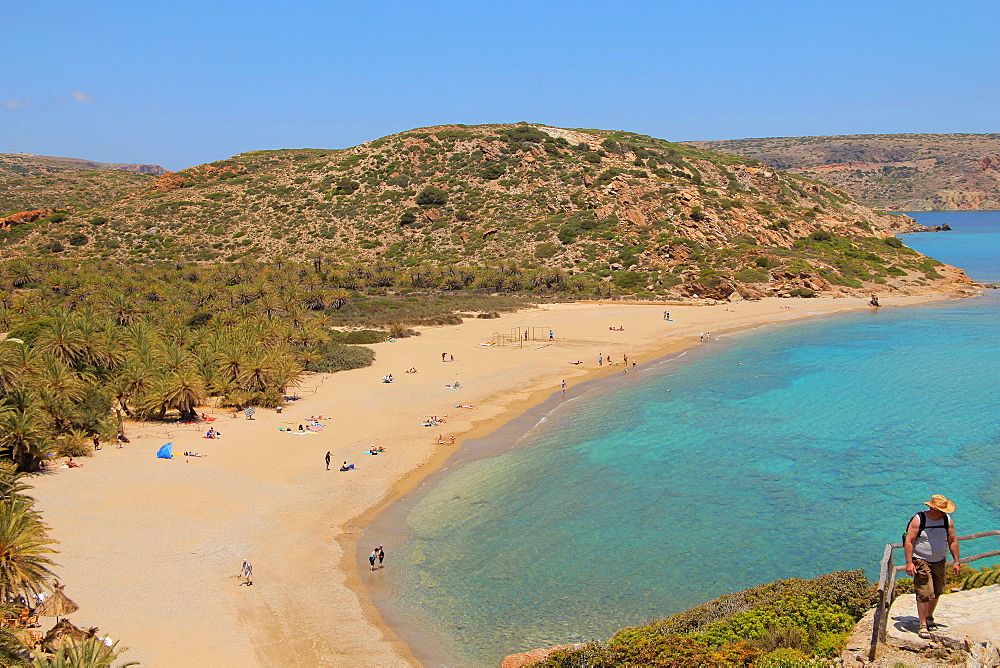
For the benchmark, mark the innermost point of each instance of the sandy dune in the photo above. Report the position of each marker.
(151, 548)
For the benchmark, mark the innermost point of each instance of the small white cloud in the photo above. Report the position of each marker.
(81, 97)
(17, 104)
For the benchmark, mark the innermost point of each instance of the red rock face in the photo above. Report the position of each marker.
(537, 655)
(168, 181)
(22, 217)
(989, 163)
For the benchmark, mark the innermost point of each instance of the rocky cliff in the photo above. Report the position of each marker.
(905, 172)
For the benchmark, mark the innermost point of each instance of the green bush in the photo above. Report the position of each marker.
(748, 275)
(432, 196)
(802, 292)
(893, 242)
(78, 239)
(546, 250)
(821, 235)
(342, 357)
(629, 279)
(99, 220)
(567, 234)
(798, 610)
(493, 171)
(363, 336)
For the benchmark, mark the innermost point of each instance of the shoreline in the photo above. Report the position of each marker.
(174, 532)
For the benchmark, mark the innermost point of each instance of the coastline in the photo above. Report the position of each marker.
(249, 498)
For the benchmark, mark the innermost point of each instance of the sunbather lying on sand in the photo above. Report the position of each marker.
(464, 406)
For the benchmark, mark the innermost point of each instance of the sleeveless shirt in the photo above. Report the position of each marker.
(932, 543)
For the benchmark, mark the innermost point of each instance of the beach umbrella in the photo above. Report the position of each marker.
(65, 633)
(57, 605)
(166, 451)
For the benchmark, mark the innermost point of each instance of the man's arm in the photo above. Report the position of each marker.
(912, 529)
(953, 545)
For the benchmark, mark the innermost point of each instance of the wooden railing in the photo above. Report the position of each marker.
(887, 585)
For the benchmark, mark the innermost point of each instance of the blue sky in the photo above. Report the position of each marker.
(180, 83)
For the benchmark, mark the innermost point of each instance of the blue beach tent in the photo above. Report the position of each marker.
(166, 451)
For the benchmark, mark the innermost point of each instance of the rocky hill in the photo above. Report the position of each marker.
(29, 182)
(626, 211)
(904, 172)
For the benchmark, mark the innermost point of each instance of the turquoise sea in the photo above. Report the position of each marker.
(787, 451)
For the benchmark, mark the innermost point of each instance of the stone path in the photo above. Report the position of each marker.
(968, 620)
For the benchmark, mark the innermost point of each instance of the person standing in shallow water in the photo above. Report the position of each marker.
(372, 557)
(929, 536)
(381, 555)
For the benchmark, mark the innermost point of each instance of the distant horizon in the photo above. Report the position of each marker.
(185, 83)
(582, 129)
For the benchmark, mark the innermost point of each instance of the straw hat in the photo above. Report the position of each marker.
(939, 502)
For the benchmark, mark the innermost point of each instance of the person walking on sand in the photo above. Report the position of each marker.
(929, 536)
(564, 387)
(444, 356)
(97, 441)
(551, 335)
(600, 359)
(247, 573)
(327, 458)
(381, 555)
(372, 557)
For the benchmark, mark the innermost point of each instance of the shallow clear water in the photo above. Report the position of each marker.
(788, 451)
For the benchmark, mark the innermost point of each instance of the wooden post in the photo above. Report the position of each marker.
(882, 609)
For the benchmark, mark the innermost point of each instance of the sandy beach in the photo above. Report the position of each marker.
(151, 549)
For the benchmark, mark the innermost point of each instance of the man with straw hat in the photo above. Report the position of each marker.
(929, 536)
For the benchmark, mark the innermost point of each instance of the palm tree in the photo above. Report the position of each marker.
(24, 549)
(184, 391)
(23, 436)
(64, 340)
(12, 651)
(90, 652)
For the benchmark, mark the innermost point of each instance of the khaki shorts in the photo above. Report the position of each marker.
(928, 581)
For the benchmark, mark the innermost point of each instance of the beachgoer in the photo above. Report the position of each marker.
(301, 428)
(71, 464)
(444, 356)
(372, 557)
(600, 359)
(929, 536)
(451, 358)
(327, 458)
(247, 573)
(564, 387)
(381, 556)
(551, 335)
(97, 441)
(121, 439)
(633, 364)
